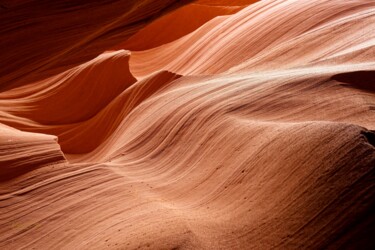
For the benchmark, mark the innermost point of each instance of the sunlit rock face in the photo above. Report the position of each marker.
(207, 124)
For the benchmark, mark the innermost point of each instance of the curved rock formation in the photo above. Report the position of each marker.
(179, 23)
(252, 127)
(51, 37)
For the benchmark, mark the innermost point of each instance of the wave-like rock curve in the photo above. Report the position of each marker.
(254, 131)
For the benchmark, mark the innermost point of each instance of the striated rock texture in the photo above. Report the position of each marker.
(187, 124)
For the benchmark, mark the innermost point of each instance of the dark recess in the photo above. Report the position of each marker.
(370, 136)
(364, 80)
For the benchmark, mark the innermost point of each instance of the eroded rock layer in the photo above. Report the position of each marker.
(248, 126)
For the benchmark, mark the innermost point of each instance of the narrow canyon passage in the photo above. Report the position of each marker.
(187, 124)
